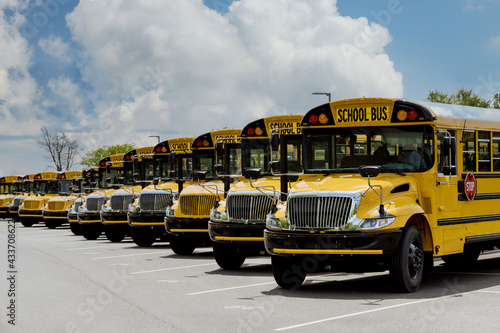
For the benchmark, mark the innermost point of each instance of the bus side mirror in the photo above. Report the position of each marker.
(219, 168)
(156, 181)
(449, 143)
(252, 173)
(171, 158)
(108, 168)
(136, 162)
(369, 170)
(120, 180)
(108, 180)
(94, 184)
(171, 174)
(275, 166)
(275, 141)
(135, 176)
(199, 175)
(219, 147)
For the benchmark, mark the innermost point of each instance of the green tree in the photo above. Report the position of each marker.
(461, 97)
(92, 157)
(495, 101)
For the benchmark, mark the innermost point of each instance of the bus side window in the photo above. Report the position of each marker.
(469, 151)
(442, 161)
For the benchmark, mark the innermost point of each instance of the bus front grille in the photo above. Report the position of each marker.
(94, 203)
(155, 201)
(197, 205)
(319, 212)
(248, 207)
(120, 202)
(55, 205)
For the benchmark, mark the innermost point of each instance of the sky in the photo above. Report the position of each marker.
(109, 72)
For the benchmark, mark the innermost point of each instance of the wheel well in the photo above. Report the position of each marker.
(419, 221)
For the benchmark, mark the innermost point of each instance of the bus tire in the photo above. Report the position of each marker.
(182, 245)
(143, 237)
(51, 224)
(227, 256)
(407, 264)
(27, 224)
(75, 229)
(114, 234)
(91, 231)
(288, 272)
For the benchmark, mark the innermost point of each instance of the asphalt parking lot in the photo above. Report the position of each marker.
(59, 282)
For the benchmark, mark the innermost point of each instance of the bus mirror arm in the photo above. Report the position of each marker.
(373, 171)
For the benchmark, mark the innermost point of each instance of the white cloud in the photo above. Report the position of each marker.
(55, 46)
(494, 42)
(177, 66)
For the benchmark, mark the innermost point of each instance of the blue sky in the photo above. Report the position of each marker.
(109, 72)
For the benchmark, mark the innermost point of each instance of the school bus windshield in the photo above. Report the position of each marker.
(394, 149)
(46, 187)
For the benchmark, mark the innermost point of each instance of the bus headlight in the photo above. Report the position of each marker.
(377, 222)
(105, 208)
(276, 223)
(217, 216)
(170, 212)
(133, 209)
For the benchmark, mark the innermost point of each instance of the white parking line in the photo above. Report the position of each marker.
(172, 268)
(230, 288)
(93, 247)
(127, 255)
(379, 309)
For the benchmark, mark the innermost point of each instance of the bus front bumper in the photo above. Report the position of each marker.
(231, 232)
(297, 243)
(187, 227)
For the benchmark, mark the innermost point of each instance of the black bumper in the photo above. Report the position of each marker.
(343, 243)
(228, 232)
(187, 227)
(113, 218)
(146, 219)
(88, 218)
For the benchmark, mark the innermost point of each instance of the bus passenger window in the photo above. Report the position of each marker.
(469, 151)
(496, 151)
(440, 157)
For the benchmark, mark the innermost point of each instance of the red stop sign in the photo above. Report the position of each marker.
(470, 186)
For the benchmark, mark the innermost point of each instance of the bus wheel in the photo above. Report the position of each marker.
(114, 234)
(182, 245)
(143, 237)
(407, 266)
(227, 256)
(51, 224)
(75, 228)
(91, 231)
(288, 272)
(27, 223)
(467, 258)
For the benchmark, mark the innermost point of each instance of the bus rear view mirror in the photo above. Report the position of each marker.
(171, 158)
(135, 177)
(275, 166)
(252, 173)
(449, 143)
(199, 175)
(108, 168)
(275, 142)
(171, 174)
(156, 181)
(219, 168)
(120, 180)
(136, 162)
(369, 170)
(219, 147)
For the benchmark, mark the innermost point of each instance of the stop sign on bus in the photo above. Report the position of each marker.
(470, 186)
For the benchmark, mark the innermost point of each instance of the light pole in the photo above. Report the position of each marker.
(324, 93)
(155, 136)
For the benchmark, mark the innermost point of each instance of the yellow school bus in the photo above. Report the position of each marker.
(187, 218)
(22, 189)
(89, 213)
(237, 224)
(81, 188)
(171, 172)
(9, 187)
(55, 212)
(45, 186)
(137, 165)
(389, 188)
